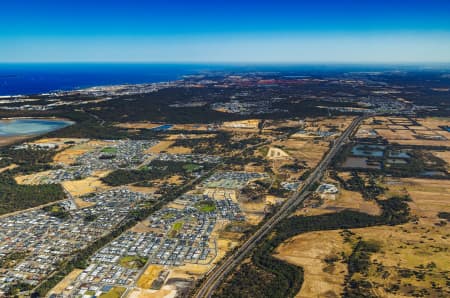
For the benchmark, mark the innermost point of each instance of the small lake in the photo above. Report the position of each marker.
(163, 127)
(368, 150)
(21, 127)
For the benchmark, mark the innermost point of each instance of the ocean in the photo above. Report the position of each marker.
(36, 78)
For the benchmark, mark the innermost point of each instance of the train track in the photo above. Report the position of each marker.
(216, 276)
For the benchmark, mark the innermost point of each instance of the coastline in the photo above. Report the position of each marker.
(44, 78)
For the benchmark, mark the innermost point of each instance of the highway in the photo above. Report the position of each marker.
(215, 277)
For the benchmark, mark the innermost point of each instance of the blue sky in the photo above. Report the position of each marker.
(225, 31)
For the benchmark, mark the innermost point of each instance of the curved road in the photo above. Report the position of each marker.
(213, 280)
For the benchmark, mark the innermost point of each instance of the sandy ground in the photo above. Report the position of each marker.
(147, 278)
(88, 185)
(63, 284)
(164, 292)
(308, 251)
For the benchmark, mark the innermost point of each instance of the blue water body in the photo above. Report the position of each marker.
(163, 127)
(35, 78)
(399, 154)
(38, 78)
(18, 127)
(368, 150)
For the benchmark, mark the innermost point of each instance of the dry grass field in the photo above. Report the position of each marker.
(143, 189)
(160, 147)
(309, 151)
(193, 127)
(444, 155)
(345, 200)
(402, 131)
(166, 146)
(138, 125)
(70, 155)
(309, 251)
(88, 185)
(413, 256)
(32, 179)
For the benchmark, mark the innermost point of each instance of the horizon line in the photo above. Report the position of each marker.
(237, 62)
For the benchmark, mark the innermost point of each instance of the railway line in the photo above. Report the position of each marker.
(216, 276)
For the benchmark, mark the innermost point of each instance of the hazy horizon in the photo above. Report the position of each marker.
(366, 32)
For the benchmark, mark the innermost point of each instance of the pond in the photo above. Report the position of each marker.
(432, 173)
(368, 150)
(446, 128)
(163, 127)
(23, 127)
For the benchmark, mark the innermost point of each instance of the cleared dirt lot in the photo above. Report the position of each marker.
(149, 275)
